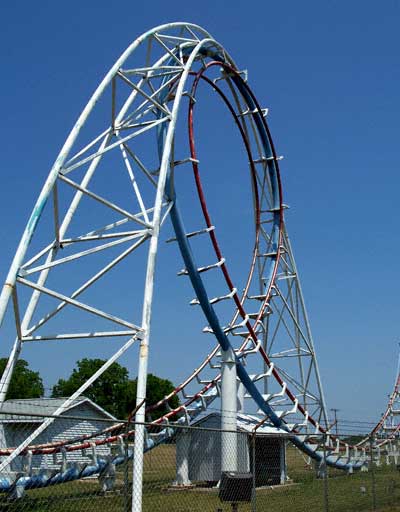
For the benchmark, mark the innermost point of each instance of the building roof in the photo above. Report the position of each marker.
(245, 423)
(33, 410)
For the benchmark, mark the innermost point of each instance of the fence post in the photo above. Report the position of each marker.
(325, 476)
(373, 482)
(253, 471)
(127, 503)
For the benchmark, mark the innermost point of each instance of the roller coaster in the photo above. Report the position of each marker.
(140, 126)
(386, 432)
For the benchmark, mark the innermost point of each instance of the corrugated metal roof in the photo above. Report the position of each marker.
(245, 423)
(30, 409)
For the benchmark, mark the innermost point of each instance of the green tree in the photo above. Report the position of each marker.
(24, 383)
(113, 390)
(157, 389)
(108, 391)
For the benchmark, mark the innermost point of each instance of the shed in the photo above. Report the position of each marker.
(20, 417)
(198, 452)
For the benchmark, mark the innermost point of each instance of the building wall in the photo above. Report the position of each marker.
(205, 452)
(61, 429)
(204, 455)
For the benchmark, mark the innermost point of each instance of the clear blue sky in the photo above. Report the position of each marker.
(328, 71)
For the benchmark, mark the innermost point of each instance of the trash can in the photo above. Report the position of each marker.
(235, 487)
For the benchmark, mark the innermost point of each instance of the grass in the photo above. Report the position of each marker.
(304, 494)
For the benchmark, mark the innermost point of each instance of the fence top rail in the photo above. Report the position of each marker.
(6, 416)
(25, 417)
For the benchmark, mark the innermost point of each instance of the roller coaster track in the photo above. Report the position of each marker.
(387, 430)
(262, 318)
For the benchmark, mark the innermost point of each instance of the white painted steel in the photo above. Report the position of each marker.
(59, 170)
(287, 303)
(229, 436)
(182, 458)
(67, 403)
(149, 284)
(48, 187)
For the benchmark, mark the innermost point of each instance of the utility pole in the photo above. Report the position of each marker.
(335, 411)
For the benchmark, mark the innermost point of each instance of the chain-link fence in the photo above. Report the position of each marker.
(84, 463)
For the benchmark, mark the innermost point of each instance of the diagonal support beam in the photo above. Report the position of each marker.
(80, 305)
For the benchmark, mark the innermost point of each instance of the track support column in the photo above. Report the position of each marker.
(182, 458)
(228, 411)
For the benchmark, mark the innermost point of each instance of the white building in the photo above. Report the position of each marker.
(20, 417)
(198, 452)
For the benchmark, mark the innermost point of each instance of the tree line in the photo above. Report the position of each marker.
(114, 391)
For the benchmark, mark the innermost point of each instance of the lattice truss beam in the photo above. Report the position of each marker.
(102, 204)
(123, 140)
(386, 432)
(111, 191)
(86, 184)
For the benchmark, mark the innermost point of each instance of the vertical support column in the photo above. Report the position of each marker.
(266, 349)
(137, 484)
(166, 144)
(182, 458)
(228, 411)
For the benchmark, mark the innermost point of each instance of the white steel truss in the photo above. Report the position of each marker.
(108, 195)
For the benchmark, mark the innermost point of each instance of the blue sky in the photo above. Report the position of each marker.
(328, 71)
